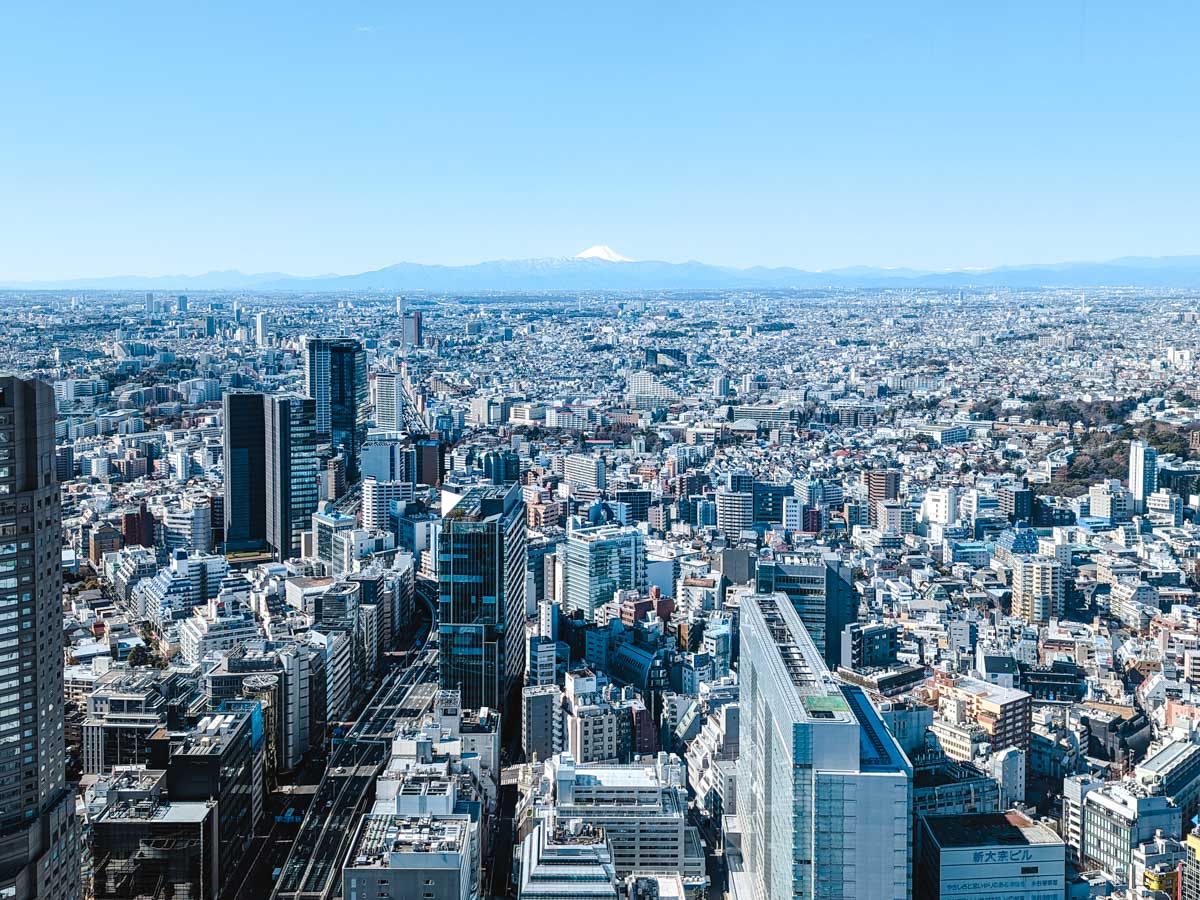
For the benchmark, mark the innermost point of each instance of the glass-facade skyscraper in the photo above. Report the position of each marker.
(271, 471)
(824, 791)
(39, 835)
(335, 376)
(481, 587)
(1143, 473)
(245, 464)
(821, 589)
(292, 471)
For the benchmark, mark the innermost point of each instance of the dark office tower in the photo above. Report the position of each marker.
(882, 484)
(64, 463)
(216, 503)
(502, 467)
(292, 472)
(137, 527)
(411, 329)
(215, 760)
(181, 303)
(430, 465)
(821, 589)
(1016, 503)
(481, 587)
(245, 417)
(768, 500)
(39, 835)
(638, 502)
(741, 481)
(335, 377)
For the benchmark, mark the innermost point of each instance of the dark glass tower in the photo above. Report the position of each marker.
(481, 581)
(291, 471)
(335, 376)
(821, 588)
(39, 836)
(245, 472)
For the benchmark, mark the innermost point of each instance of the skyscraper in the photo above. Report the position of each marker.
(824, 791)
(388, 400)
(821, 589)
(481, 586)
(335, 377)
(377, 499)
(291, 471)
(245, 471)
(410, 335)
(1143, 473)
(39, 836)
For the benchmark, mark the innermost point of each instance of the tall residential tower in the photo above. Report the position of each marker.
(1143, 473)
(39, 835)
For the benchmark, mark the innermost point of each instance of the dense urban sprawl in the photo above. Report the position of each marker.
(824, 594)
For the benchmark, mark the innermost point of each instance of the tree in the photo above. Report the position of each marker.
(138, 656)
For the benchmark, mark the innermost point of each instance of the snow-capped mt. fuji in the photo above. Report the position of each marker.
(602, 252)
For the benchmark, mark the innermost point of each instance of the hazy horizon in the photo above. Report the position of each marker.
(219, 270)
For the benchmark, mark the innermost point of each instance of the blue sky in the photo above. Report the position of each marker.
(265, 136)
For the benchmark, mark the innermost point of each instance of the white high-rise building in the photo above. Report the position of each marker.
(641, 807)
(644, 390)
(378, 497)
(824, 792)
(941, 506)
(260, 329)
(1165, 508)
(1110, 500)
(793, 514)
(585, 470)
(735, 512)
(1143, 473)
(388, 400)
(567, 861)
(188, 526)
(218, 626)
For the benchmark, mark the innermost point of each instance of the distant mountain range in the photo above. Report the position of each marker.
(603, 269)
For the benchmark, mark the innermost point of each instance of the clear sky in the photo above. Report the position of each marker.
(339, 137)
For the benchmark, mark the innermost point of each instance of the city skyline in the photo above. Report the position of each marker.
(345, 140)
(626, 452)
(719, 594)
